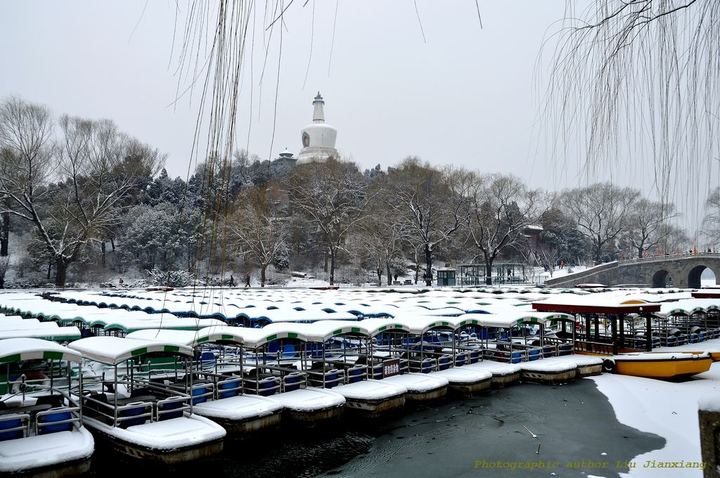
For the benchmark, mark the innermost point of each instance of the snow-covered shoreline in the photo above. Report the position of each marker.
(667, 409)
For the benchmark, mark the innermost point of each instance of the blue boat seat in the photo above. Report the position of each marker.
(174, 405)
(11, 421)
(136, 408)
(292, 381)
(444, 362)
(229, 388)
(355, 373)
(196, 392)
(45, 421)
(267, 386)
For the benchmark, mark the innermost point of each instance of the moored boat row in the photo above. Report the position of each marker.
(175, 395)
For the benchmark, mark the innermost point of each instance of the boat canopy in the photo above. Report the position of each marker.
(681, 307)
(323, 331)
(377, 326)
(191, 338)
(57, 334)
(512, 319)
(593, 304)
(418, 325)
(114, 350)
(254, 338)
(19, 349)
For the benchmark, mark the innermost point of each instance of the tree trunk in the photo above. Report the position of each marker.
(488, 270)
(112, 244)
(428, 265)
(598, 253)
(5, 234)
(640, 252)
(332, 266)
(263, 267)
(49, 273)
(379, 274)
(102, 248)
(389, 275)
(60, 272)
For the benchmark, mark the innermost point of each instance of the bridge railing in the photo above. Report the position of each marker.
(666, 257)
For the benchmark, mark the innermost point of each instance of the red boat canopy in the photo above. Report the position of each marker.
(588, 308)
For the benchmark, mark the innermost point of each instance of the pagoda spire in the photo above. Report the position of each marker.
(319, 109)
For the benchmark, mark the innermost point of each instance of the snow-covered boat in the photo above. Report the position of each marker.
(503, 374)
(339, 361)
(17, 327)
(129, 404)
(41, 431)
(217, 388)
(276, 366)
(662, 365)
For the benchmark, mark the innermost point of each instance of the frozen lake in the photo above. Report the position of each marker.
(575, 427)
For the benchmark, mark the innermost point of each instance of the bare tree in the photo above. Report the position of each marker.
(600, 212)
(502, 208)
(428, 207)
(72, 191)
(379, 238)
(646, 225)
(4, 265)
(711, 222)
(260, 232)
(332, 195)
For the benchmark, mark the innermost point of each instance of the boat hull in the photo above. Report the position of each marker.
(663, 369)
(469, 389)
(500, 381)
(60, 470)
(314, 418)
(238, 428)
(427, 395)
(589, 370)
(159, 455)
(553, 377)
(366, 408)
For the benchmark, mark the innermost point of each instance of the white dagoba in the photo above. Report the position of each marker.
(318, 138)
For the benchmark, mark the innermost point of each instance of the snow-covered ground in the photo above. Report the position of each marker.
(667, 409)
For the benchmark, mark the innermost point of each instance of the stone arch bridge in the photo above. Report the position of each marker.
(671, 271)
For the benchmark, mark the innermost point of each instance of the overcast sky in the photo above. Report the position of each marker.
(464, 95)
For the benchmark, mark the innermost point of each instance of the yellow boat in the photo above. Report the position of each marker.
(663, 365)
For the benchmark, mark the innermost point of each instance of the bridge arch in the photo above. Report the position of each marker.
(660, 278)
(695, 276)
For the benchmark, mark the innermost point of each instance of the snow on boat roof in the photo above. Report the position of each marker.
(183, 337)
(176, 323)
(57, 334)
(17, 349)
(24, 324)
(510, 319)
(419, 325)
(602, 302)
(689, 306)
(114, 350)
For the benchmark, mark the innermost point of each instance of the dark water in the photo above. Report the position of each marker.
(574, 424)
